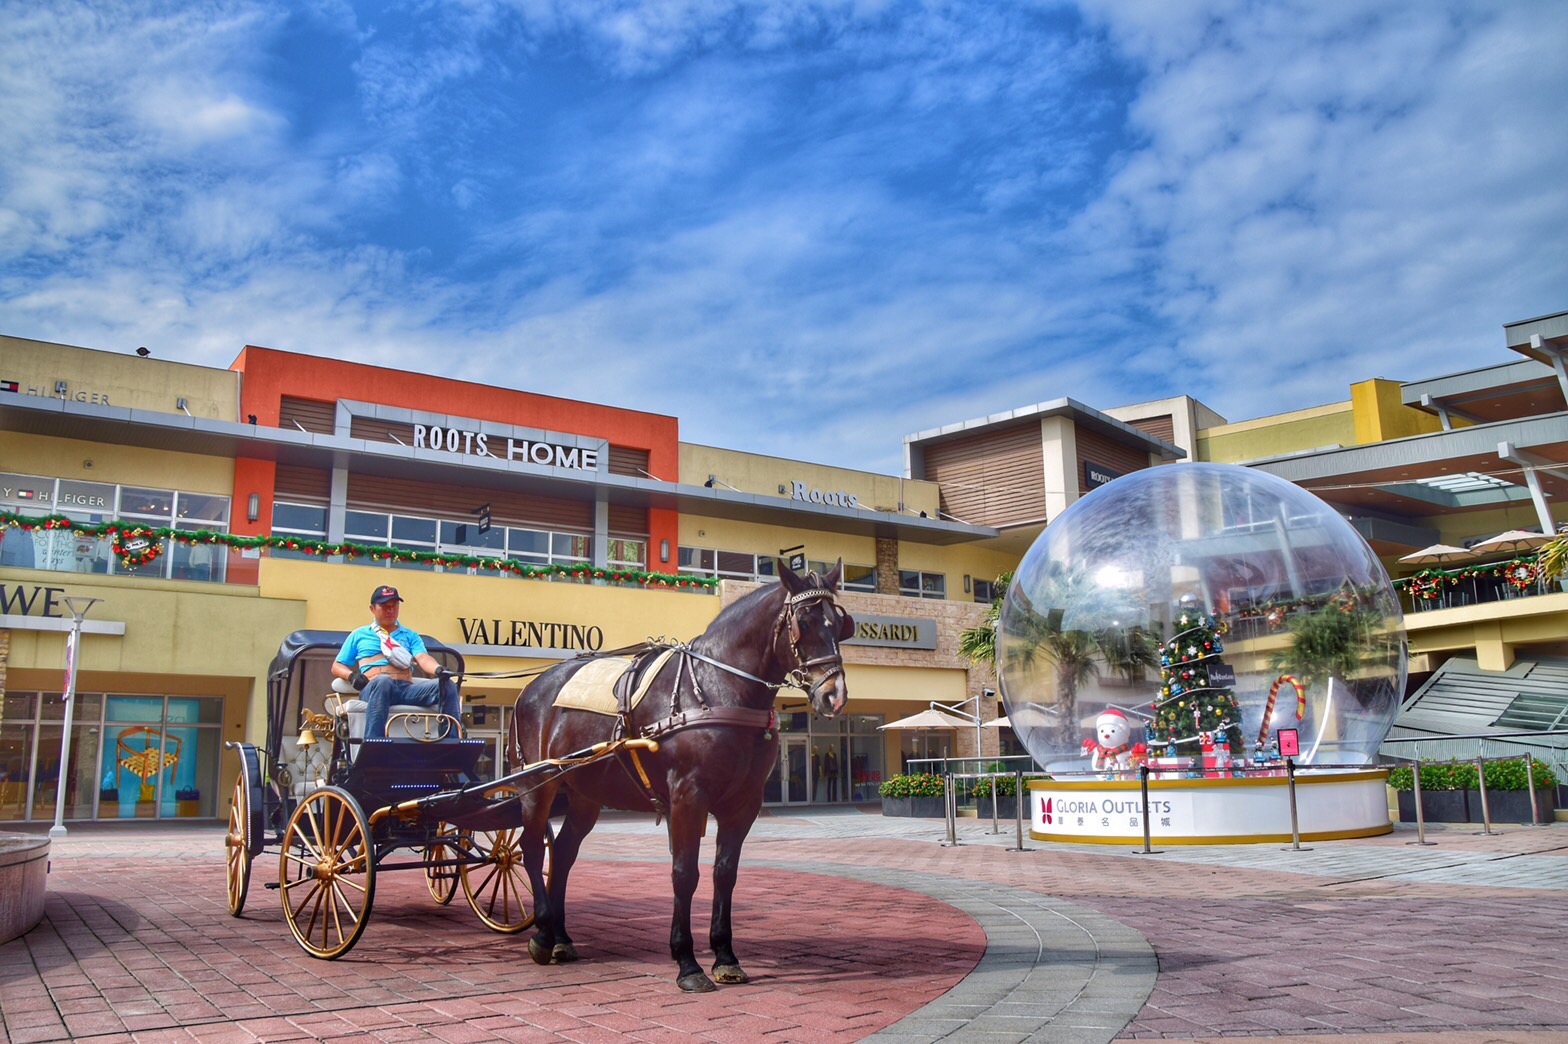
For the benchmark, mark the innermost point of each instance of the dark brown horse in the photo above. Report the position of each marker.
(710, 707)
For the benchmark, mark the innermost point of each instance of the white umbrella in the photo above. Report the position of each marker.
(1436, 554)
(1513, 540)
(999, 723)
(927, 719)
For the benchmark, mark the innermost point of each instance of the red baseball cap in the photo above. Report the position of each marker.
(382, 595)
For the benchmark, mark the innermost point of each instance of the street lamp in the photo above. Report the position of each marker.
(78, 607)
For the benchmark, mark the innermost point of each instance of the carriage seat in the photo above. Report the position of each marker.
(355, 709)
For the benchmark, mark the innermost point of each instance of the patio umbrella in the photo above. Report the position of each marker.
(1513, 540)
(1437, 554)
(927, 719)
(999, 723)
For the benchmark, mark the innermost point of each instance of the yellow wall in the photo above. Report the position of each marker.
(1279, 434)
(127, 465)
(729, 535)
(120, 379)
(1380, 412)
(763, 475)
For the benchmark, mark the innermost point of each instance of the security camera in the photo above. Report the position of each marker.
(988, 693)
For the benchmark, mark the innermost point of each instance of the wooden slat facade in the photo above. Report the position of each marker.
(372, 429)
(1163, 427)
(310, 414)
(1096, 448)
(458, 502)
(624, 460)
(994, 478)
(297, 483)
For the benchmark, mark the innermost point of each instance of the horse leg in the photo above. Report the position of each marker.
(726, 868)
(581, 817)
(536, 821)
(686, 822)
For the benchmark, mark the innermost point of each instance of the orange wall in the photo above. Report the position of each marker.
(268, 375)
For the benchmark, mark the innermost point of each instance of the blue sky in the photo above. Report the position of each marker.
(804, 228)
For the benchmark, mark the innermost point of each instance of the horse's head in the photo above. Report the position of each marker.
(810, 628)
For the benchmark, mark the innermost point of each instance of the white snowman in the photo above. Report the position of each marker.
(1112, 746)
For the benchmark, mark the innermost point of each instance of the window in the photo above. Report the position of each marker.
(306, 521)
(985, 591)
(915, 584)
(727, 565)
(855, 578)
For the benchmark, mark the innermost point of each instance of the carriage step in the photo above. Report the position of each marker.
(273, 885)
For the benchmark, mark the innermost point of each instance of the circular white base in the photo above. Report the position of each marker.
(1248, 810)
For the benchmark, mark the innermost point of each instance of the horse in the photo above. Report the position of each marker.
(709, 706)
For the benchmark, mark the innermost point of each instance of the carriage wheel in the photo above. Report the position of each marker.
(498, 888)
(327, 873)
(243, 840)
(442, 880)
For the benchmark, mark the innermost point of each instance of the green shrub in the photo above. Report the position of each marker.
(920, 784)
(1461, 775)
(1006, 786)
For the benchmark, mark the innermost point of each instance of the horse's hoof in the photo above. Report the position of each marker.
(729, 974)
(696, 982)
(538, 951)
(564, 953)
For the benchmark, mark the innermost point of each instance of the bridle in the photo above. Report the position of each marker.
(796, 678)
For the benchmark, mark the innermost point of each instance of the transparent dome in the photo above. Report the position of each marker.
(1199, 606)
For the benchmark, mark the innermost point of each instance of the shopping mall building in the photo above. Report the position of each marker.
(625, 532)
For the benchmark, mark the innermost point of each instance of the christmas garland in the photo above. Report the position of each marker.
(1428, 583)
(137, 544)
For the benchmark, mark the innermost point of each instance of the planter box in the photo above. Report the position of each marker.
(1437, 806)
(1006, 807)
(916, 807)
(1513, 806)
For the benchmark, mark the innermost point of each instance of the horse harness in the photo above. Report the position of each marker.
(636, 679)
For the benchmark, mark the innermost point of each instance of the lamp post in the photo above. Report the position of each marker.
(73, 640)
(952, 708)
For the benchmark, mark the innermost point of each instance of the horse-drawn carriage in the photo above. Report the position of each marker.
(685, 730)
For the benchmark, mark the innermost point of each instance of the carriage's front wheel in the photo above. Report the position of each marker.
(449, 843)
(327, 873)
(498, 888)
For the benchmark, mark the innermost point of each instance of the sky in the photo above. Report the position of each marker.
(805, 229)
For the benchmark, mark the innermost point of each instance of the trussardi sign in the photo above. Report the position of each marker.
(897, 632)
(477, 443)
(531, 634)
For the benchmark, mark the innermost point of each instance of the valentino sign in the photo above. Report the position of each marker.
(477, 443)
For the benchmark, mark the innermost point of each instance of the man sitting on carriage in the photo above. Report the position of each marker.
(377, 659)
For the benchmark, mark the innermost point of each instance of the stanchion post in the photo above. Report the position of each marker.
(1486, 807)
(1295, 822)
(1018, 808)
(996, 796)
(950, 807)
(1529, 781)
(1415, 777)
(1143, 786)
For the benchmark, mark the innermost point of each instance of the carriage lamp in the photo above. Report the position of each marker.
(253, 507)
(310, 724)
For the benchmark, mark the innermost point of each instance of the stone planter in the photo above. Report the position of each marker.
(1513, 806)
(1006, 807)
(916, 807)
(1437, 806)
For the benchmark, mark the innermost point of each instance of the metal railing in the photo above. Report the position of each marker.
(1527, 753)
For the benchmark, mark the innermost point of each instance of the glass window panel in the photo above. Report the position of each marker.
(16, 760)
(140, 709)
(570, 545)
(467, 535)
(696, 559)
(365, 524)
(933, 585)
(197, 561)
(206, 506)
(135, 501)
(427, 566)
(406, 527)
(310, 518)
(528, 542)
(736, 563)
(157, 567)
(766, 565)
(18, 706)
(860, 577)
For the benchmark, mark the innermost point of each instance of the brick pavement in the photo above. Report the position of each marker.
(852, 926)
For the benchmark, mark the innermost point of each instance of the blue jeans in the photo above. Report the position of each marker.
(384, 691)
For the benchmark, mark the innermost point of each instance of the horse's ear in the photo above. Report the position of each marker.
(792, 582)
(831, 580)
(846, 628)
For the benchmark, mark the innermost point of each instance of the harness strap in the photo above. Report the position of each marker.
(731, 717)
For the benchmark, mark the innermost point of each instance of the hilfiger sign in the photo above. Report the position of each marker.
(480, 444)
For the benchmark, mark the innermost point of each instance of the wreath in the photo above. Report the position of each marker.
(136, 545)
(1521, 575)
(1427, 587)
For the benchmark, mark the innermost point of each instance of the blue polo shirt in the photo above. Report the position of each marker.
(362, 647)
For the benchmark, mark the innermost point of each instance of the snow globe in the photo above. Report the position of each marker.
(1183, 620)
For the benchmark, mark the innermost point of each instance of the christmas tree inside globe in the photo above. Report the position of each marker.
(1183, 615)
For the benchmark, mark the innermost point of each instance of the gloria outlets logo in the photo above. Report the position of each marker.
(1045, 811)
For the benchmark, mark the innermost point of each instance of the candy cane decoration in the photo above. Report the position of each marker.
(1268, 709)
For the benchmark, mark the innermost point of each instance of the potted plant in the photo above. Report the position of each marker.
(1507, 793)
(1445, 786)
(916, 794)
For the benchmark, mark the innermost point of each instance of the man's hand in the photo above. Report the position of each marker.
(359, 681)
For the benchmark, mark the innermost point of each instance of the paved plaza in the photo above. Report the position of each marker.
(853, 927)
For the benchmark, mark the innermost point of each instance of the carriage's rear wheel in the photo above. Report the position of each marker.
(450, 843)
(243, 840)
(498, 888)
(327, 873)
